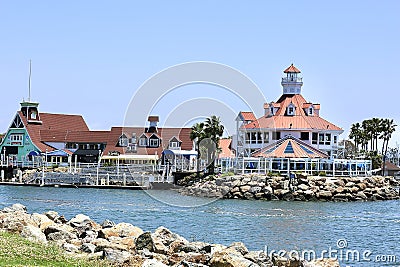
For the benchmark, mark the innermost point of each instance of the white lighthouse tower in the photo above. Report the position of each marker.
(292, 82)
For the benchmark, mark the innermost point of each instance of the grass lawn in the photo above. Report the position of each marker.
(17, 251)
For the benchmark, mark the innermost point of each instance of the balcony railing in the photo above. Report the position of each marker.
(292, 79)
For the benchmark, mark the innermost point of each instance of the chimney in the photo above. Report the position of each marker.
(153, 120)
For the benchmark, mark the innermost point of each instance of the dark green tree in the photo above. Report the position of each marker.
(213, 130)
(197, 134)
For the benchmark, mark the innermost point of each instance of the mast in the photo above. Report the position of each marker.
(29, 82)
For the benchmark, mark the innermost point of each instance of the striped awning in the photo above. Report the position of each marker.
(289, 147)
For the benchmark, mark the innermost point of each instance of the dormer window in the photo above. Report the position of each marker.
(143, 141)
(123, 141)
(310, 111)
(291, 109)
(154, 142)
(174, 143)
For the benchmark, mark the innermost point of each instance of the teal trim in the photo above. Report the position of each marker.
(24, 148)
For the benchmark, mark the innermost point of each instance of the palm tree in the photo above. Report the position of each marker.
(213, 130)
(355, 134)
(376, 129)
(197, 134)
(388, 128)
(368, 133)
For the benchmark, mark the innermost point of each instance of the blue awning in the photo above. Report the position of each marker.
(58, 153)
(33, 153)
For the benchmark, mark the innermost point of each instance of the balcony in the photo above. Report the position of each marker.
(292, 79)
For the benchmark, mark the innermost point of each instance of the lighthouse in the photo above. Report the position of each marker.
(292, 82)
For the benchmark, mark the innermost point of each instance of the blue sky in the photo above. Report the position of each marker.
(89, 57)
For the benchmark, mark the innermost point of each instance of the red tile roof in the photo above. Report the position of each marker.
(247, 115)
(225, 146)
(292, 68)
(166, 134)
(53, 122)
(74, 136)
(300, 120)
(391, 167)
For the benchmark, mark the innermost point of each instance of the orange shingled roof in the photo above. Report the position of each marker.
(166, 134)
(225, 146)
(292, 68)
(299, 121)
(248, 115)
(56, 122)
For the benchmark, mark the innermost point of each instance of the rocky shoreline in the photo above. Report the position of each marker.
(124, 244)
(302, 188)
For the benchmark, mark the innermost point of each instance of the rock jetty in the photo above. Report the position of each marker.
(302, 188)
(124, 244)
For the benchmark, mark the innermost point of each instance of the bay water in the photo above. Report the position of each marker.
(357, 233)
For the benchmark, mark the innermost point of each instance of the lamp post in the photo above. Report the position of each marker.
(98, 166)
(4, 155)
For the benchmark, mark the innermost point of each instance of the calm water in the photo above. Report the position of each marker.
(373, 226)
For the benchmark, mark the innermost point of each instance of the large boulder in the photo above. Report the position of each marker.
(239, 247)
(323, 263)
(163, 238)
(116, 256)
(60, 232)
(15, 208)
(15, 219)
(33, 233)
(42, 220)
(230, 258)
(121, 230)
(145, 242)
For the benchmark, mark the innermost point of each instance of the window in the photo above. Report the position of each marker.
(276, 135)
(154, 142)
(173, 144)
(321, 138)
(259, 138)
(248, 138)
(328, 139)
(272, 110)
(304, 136)
(335, 139)
(253, 138)
(310, 111)
(123, 141)
(33, 115)
(315, 138)
(266, 137)
(143, 141)
(16, 137)
(290, 109)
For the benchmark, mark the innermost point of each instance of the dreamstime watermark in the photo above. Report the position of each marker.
(341, 252)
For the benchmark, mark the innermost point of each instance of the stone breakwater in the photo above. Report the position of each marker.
(303, 188)
(124, 244)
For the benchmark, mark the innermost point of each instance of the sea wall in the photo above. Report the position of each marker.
(303, 188)
(124, 244)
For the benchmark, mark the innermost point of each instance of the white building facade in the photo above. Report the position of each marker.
(290, 115)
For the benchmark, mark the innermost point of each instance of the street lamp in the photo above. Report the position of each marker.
(4, 155)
